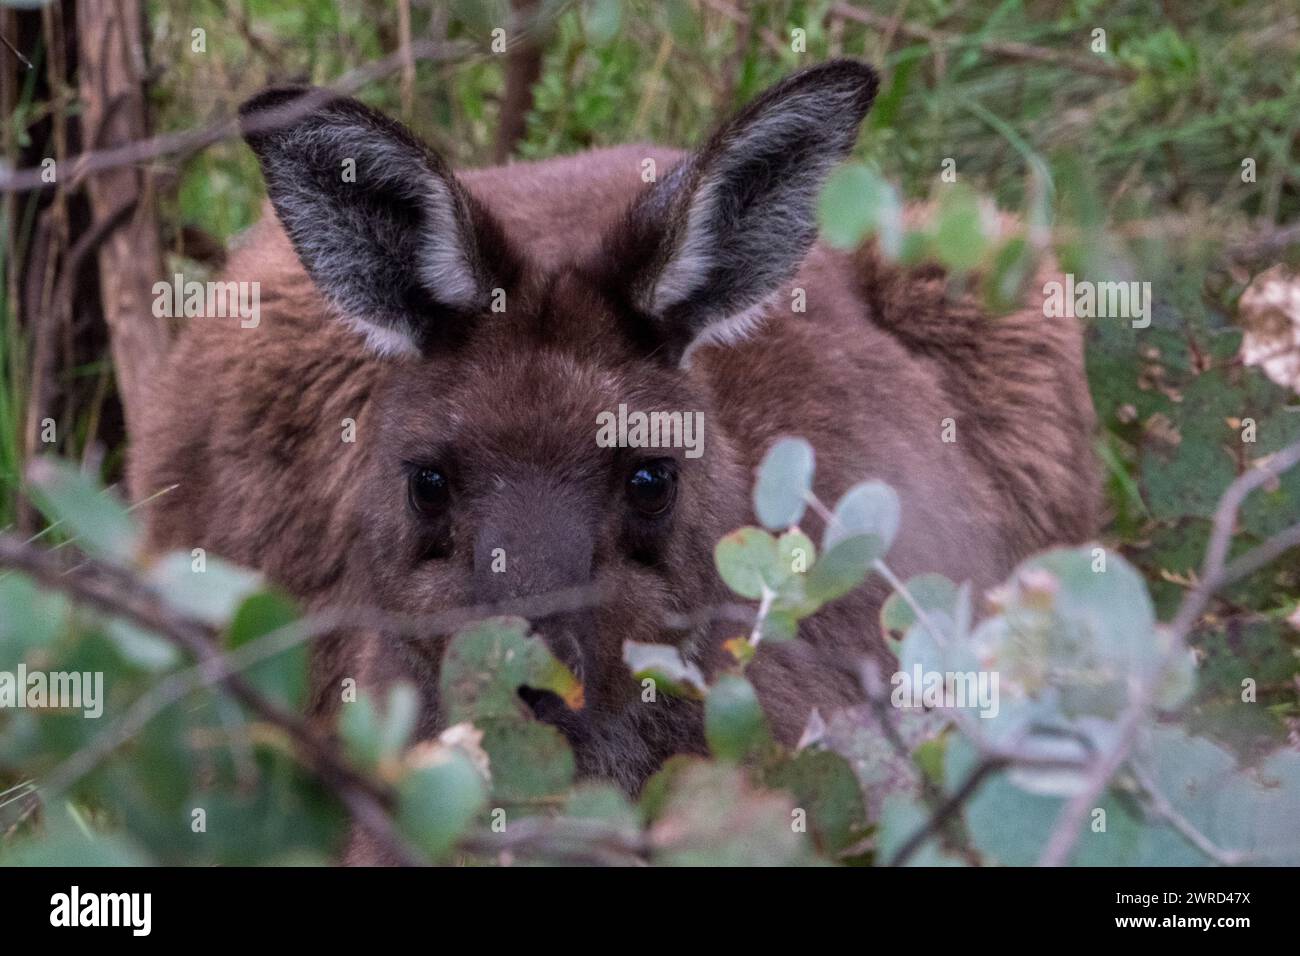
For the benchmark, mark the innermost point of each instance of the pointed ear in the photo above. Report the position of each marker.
(385, 230)
(701, 251)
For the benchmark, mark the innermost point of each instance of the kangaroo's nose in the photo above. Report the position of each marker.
(537, 540)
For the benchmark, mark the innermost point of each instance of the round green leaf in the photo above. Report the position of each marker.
(601, 20)
(856, 203)
(824, 783)
(664, 664)
(530, 760)
(211, 590)
(487, 663)
(960, 239)
(359, 727)
(796, 551)
(283, 677)
(784, 480)
(438, 802)
(841, 569)
(749, 561)
(868, 508)
(734, 725)
(780, 624)
(933, 592)
(30, 617)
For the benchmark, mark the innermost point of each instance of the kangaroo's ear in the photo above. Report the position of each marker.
(701, 250)
(385, 230)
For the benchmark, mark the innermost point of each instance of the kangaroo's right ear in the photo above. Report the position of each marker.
(699, 253)
(385, 230)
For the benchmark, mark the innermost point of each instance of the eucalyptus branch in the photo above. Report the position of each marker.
(1214, 576)
(121, 593)
(564, 839)
(1164, 809)
(930, 792)
(992, 757)
(1100, 770)
(111, 592)
(214, 670)
(949, 808)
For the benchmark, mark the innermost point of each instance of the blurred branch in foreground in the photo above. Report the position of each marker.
(1214, 576)
(115, 591)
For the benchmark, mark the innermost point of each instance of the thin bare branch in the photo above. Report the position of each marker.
(1163, 808)
(948, 809)
(188, 142)
(27, 64)
(567, 840)
(1005, 49)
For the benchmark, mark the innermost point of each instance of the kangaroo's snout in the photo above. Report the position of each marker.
(537, 542)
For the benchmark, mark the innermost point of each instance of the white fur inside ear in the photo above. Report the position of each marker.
(384, 341)
(688, 269)
(729, 331)
(446, 268)
(689, 266)
(361, 260)
(740, 215)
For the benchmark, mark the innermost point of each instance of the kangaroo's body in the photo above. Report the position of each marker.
(482, 437)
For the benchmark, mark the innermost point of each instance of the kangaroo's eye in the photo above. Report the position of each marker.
(429, 490)
(652, 488)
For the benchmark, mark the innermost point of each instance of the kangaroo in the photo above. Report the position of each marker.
(469, 330)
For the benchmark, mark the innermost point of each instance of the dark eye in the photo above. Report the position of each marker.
(652, 487)
(429, 490)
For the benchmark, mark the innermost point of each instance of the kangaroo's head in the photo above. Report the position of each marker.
(515, 451)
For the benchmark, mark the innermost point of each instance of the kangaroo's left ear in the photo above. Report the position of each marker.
(386, 231)
(700, 251)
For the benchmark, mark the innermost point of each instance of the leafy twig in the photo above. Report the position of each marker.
(110, 593)
(1214, 576)
(1185, 827)
(949, 808)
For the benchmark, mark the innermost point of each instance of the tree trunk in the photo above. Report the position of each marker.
(51, 277)
(115, 112)
(523, 67)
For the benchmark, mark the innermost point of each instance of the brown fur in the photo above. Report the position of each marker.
(247, 424)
